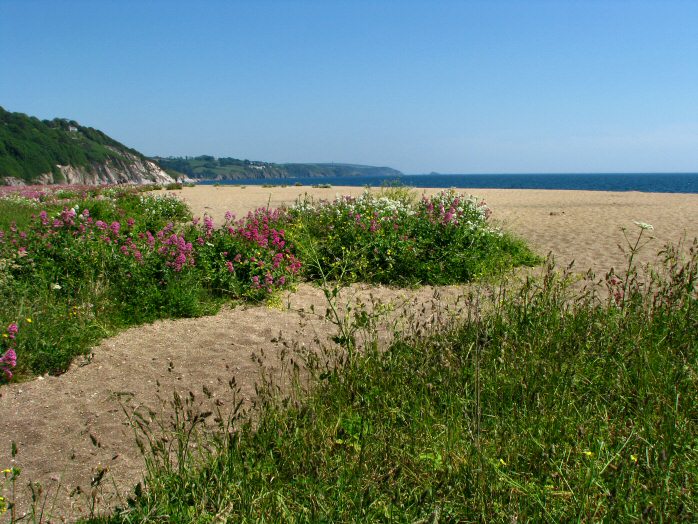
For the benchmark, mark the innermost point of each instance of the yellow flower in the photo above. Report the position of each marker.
(501, 461)
(28, 320)
(633, 458)
(588, 453)
(4, 335)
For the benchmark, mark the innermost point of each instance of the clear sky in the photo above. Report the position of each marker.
(454, 87)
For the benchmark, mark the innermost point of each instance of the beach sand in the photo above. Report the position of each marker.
(69, 427)
(580, 226)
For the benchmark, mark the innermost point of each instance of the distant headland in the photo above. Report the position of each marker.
(206, 167)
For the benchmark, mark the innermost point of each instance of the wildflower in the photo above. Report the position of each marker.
(7, 361)
(633, 458)
(502, 462)
(588, 453)
(28, 320)
(12, 330)
(56, 286)
(643, 225)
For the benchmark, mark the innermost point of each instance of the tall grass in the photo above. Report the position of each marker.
(556, 402)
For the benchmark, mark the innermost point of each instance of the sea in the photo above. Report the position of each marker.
(645, 182)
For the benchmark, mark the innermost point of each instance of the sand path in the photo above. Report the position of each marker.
(68, 427)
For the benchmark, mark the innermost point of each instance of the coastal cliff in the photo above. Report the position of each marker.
(61, 151)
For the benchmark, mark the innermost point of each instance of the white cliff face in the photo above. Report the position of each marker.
(11, 181)
(129, 170)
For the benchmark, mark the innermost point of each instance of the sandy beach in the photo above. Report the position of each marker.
(580, 226)
(88, 432)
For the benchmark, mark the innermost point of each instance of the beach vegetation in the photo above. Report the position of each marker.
(549, 402)
(394, 238)
(84, 262)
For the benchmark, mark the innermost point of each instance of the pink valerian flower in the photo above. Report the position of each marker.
(101, 225)
(268, 279)
(115, 227)
(8, 361)
(230, 267)
(178, 250)
(86, 213)
(12, 330)
(67, 215)
(208, 225)
(229, 216)
(130, 222)
(255, 282)
(150, 239)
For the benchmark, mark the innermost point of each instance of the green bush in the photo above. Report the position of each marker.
(390, 239)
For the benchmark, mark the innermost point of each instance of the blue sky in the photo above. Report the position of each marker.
(454, 87)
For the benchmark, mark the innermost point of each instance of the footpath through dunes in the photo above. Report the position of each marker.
(69, 427)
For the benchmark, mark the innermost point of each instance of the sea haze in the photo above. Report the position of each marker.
(645, 182)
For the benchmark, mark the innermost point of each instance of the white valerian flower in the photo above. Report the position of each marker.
(643, 225)
(56, 286)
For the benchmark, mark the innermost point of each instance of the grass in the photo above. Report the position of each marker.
(560, 403)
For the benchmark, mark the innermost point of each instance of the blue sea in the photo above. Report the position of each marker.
(646, 182)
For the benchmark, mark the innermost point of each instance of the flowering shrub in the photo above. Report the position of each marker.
(84, 266)
(88, 262)
(249, 257)
(440, 240)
